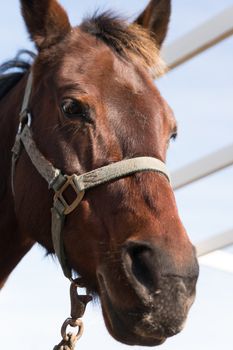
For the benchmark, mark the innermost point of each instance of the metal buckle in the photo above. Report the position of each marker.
(59, 195)
(25, 118)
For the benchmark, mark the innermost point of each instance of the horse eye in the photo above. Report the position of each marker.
(75, 109)
(173, 136)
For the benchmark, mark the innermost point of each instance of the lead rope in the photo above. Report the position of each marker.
(78, 307)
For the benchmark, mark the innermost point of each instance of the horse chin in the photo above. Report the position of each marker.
(131, 327)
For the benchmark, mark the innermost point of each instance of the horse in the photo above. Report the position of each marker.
(85, 131)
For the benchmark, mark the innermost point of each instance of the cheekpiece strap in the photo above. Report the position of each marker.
(26, 98)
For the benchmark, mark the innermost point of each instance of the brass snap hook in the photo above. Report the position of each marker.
(78, 306)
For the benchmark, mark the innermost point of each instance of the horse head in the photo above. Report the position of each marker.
(94, 103)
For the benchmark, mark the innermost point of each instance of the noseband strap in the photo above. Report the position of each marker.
(77, 183)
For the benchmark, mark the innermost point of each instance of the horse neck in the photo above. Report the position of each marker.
(12, 246)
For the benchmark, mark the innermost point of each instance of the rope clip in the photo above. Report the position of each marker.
(78, 307)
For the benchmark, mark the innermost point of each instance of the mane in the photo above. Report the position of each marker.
(12, 71)
(127, 40)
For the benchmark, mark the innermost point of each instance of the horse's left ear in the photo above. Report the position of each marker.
(47, 22)
(155, 18)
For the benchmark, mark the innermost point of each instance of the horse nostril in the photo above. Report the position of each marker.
(139, 261)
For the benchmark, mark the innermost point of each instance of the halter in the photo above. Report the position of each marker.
(79, 183)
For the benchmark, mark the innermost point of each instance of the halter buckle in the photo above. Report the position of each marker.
(59, 199)
(25, 118)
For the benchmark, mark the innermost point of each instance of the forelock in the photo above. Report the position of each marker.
(129, 41)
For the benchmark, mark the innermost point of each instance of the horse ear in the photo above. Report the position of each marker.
(47, 22)
(155, 18)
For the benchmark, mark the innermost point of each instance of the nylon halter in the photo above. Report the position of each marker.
(79, 183)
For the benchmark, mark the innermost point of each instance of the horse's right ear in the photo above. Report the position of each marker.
(47, 22)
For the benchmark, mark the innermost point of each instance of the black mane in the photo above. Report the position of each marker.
(19, 66)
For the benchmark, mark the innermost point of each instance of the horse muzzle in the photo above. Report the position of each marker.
(148, 300)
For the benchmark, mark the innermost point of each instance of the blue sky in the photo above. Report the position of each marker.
(35, 302)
